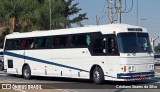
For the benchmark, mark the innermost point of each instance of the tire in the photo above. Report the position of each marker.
(26, 72)
(1, 66)
(98, 75)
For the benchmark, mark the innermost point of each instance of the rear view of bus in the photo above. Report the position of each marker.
(136, 55)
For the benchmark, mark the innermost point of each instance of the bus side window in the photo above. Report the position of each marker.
(64, 41)
(99, 46)
(73, 40)
(60, 41)
(15, 44)
(56, 41)
(48, 42)
(29, 43)
(32, 43)
(38, 43)
(67, 39)
(8, 44)
(81, 40)
(22, 44)
(88, 39)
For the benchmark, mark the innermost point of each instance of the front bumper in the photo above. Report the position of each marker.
(135, 75)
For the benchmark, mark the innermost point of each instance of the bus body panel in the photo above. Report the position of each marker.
(59, 62)
(14, 61)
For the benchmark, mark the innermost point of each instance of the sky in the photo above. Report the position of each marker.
(148, 14)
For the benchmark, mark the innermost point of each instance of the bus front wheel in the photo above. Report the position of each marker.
(26, 72)
(98, 75)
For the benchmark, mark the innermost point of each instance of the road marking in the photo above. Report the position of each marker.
(67, 90)
(4, 74)
(19, 90)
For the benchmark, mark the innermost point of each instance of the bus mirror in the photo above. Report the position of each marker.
(145, 45)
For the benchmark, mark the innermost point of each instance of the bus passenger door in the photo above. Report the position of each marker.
(112, 54)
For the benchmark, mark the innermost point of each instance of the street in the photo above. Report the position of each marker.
(79, 85)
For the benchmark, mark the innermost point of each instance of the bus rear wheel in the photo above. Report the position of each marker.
(26, 72)
(98, 75)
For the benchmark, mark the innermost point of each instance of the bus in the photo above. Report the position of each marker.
(116, 52)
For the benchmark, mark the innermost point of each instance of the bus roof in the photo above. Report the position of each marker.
(104, 29)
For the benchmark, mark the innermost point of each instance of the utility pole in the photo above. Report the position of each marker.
(111, 11)
(137, 13)
(97, 20)
(50, 15)
(119, 11)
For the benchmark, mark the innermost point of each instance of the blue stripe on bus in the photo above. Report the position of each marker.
(135, 75)
(41, 61)
(157, 56)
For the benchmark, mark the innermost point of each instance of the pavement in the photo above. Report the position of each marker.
(5, 78)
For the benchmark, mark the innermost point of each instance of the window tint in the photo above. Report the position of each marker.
(15, 44)
(50, 42)
(105, 45)
(134, 42)
(35, 43)
(112, 46)
(29, 43)
(81, 40)
(60, 41)
(22, 44)
(38, 43)
(8, 44)
(47, 42)
(99, 46)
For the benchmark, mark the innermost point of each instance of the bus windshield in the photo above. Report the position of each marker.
(134, 42)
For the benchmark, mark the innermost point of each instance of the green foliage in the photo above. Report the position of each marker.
(34, 14)
(23, 10)
(157, 49)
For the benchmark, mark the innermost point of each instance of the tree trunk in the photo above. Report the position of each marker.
(12, 24)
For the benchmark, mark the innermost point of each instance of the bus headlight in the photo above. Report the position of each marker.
(131, 68)
(151, 67)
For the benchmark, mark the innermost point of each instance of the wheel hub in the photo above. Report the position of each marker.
(26, 72)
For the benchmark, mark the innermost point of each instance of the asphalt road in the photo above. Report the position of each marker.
(78, 85)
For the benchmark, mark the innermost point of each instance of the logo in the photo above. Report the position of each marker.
(6, 86)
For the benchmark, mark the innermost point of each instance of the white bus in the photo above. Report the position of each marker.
(117, 52)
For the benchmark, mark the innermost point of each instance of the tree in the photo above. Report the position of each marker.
(72, 9)
(17, 13)
(157, 48)
(29, 15)
(62, 10)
